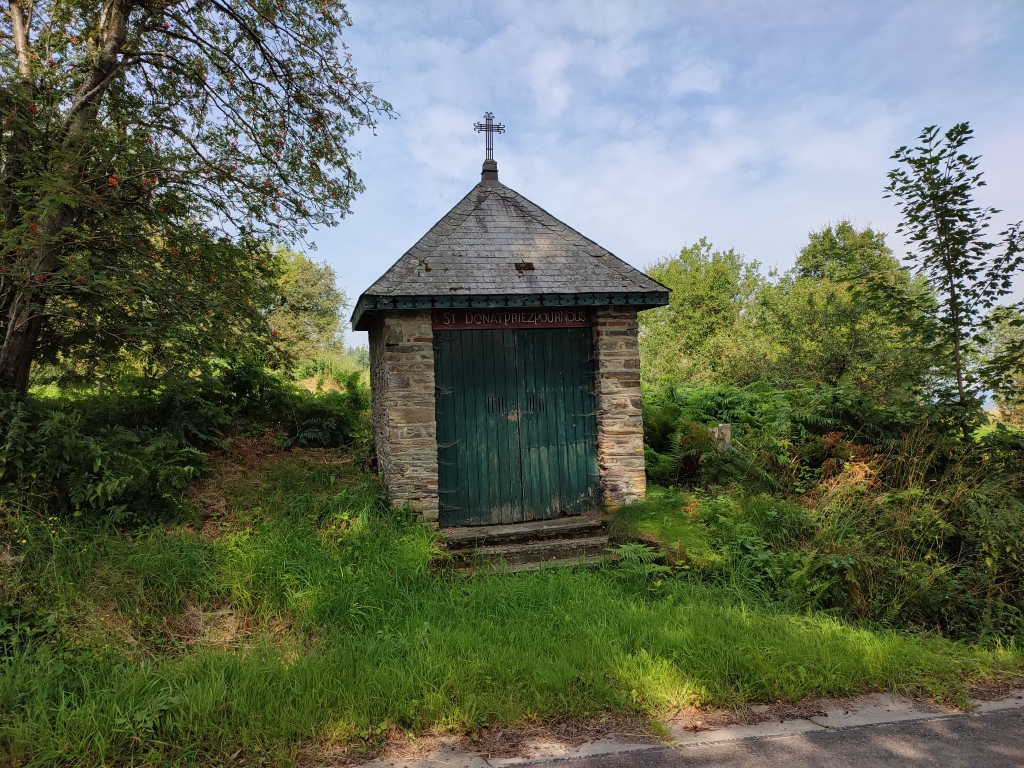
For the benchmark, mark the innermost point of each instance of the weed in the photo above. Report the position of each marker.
(348, 634)
(125, 457)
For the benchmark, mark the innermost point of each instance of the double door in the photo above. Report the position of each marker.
(516, 429)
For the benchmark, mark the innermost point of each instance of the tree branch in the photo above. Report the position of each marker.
(113, 32)
(20, 27)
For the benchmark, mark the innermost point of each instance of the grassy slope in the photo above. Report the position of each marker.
(300, 615)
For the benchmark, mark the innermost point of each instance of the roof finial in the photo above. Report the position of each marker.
(489, 128)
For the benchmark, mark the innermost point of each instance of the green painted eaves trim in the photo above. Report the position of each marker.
(385, 303)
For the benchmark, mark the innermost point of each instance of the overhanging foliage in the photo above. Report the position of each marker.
(149, 153)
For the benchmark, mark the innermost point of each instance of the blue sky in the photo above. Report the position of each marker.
(647, 125)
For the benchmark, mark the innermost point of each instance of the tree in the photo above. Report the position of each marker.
(842, 253)
(968, 275)
(132, 316)
(307, 313)
(726, 323)
(709, 291)
(149, 151)
(826, 329)
(1005, 351)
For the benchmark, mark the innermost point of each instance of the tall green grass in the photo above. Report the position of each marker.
(332, 371)
(833, 500)
(902, 558)
(350, 634)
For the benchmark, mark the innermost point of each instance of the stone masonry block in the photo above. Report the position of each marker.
(402, 382)
(620, 441)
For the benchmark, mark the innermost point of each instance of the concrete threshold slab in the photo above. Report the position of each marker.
(878, 708)
(539, 529)
(684, 738)
(864, 711)
(1013, 700)
(546, 752)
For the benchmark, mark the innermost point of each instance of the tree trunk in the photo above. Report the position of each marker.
(20, 349)
(24, 311)
(954, 307)
(24, 315)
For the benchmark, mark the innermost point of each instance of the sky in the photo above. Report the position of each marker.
(647, 125)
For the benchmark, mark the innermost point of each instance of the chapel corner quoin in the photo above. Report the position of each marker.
(504, 367)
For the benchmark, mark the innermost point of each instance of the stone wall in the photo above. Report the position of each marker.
(620, 432)
(402, 381)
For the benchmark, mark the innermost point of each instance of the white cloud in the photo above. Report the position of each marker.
(547, 67)
(440, 142)
(697, 76)
(647, 126)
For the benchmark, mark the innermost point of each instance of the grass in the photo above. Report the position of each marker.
(668, 521)
(294, 613)
(327, 372)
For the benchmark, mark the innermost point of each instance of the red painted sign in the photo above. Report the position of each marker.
(527, 317)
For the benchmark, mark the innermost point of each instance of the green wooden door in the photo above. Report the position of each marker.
(516, 431)
(479, 475)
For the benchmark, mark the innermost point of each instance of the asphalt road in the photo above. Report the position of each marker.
(994, 740)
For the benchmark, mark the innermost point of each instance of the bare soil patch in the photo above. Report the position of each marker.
(534, 739)
(698, 719)
(991, 690)
(522, 741)
(217, 627)
(237, 472)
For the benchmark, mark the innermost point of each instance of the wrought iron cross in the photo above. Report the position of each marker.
(489, 128)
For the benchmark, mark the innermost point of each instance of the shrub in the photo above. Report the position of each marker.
(327, 420)
(782, 440)
(127, 455)
(54, 459)
(877, 514)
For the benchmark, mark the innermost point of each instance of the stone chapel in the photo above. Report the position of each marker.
(504, 366)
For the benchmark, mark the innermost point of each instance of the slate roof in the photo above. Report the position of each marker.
(474, 250)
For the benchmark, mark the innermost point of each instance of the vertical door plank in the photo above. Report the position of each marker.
(587, 407)
(447, 449)
(527, 425)
(476, 387)
(560, 343)
(468, 471)
(512, 459)
(551, 384)
(490, 502)
(504, 502)
(579, 357)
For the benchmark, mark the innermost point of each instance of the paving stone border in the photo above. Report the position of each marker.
(863, 711)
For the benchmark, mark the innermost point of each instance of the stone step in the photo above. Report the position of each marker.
(534, 552)
(576, 526)
(532, 567)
